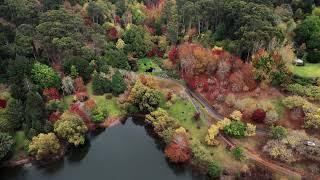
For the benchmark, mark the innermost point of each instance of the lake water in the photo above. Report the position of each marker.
(123, 152)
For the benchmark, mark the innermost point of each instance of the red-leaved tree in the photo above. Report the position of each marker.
(176, 153)
(51, 94)
(173, 54)
(3, 103)
(259, 116)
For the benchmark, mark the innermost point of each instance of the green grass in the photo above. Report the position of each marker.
(146, 63)
(308, 71)
(111, 104)
(20, 142)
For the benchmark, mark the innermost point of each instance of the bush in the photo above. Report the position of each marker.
(51, 94)
(132, 109)
(45, 76)
(99, 114)
(15, 113)
(259, 116)
(214, 169)
(278, 132)
(54, 106)
(6, 144)
(236, 129)
(312, 92)
(238, 153)
(313, 56)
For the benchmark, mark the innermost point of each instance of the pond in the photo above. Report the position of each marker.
(123, 152)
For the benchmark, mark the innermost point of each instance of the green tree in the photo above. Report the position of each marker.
(100, 84)
(236, 129)
(137, 41)
(118, 84)
(99, 114)
(82, 66)
(6, 144)
(44, 146)
(214, 169)
(117, 59)
(238, 153)
(34, 112)
(45, 76)
(71, 128)
(278, 132)
(15, 113)
(51, 4)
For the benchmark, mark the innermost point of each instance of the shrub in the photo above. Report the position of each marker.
(15, 113)
(177, 153)
(99, 114)
(238, 153)
(173, 54)
(313, 56)
(250, 130)
(236, 129)
(44, 145)
(3, 103)
(54, 106)
(6, 144)
(278, 132)
(79, 85)
(214, 169)
(312, 92)
(272, 117)
(44, 76)
(236, 115)
(278, 150)
(259, 116)
(211, 135)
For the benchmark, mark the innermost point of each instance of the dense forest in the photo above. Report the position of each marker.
(53, 52)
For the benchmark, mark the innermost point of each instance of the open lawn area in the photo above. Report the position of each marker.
(309, 70)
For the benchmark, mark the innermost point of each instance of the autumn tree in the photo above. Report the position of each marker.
(71, 128)
(44, 146)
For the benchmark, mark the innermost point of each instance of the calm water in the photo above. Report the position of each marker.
(124, 152)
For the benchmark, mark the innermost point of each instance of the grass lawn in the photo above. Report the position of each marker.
(309, 70)
(20, 138)
(146, 64)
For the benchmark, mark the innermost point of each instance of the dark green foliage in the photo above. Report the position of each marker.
(132, 109)
(51, 4)
(15, 113)
(136, 41)
(214, 169)
(6, 144)
(118, 84)
(314, 56)
(54, 105)
(34, 112)
(100, 84)
(278, 132)
(238, 153)
(236, 129)
(117, 59)
(82, 66)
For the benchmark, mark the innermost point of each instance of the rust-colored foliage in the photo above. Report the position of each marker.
(54, 116)
(176, 153)
(77, 109)
(113, 34)
(79, 85)
(173, 54)
(90, 104)
(51, 94)
(82, 96)
(258, 116)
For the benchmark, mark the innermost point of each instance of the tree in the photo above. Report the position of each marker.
(6, 144)
(213, 131)
(44, 146)
(34, 112)
(137, 41)
(118, 84)
(214, 169)
(15, 113)
(99, 113)
(51, 4)
(117, 59)
(45, 76)
(176, 153)
(71, 128)
(68, 85)
(259, 116)
(100, 84)
(278, 132)
(238, 153)
(236, 129)
(82, 66)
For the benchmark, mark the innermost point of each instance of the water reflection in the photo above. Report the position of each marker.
(123, 152)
